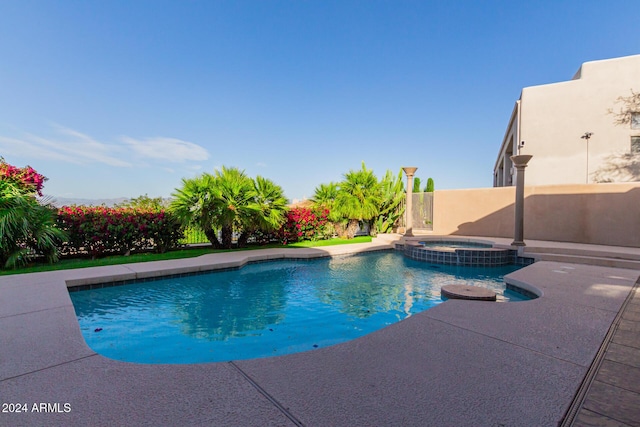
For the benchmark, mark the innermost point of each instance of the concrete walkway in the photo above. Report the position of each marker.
(612, 393)
(462, 363)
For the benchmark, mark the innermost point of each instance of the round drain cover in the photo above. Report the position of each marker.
(468, 292)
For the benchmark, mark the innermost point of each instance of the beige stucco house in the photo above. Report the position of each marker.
(573, 128)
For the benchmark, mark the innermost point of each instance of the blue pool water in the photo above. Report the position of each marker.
(266, 309)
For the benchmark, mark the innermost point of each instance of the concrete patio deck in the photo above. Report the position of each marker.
(462, 363)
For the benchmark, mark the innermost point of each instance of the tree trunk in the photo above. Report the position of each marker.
(242, 239)
(352, 228)
(340, 230)
(227, 236)
(373, 229)
(212, 236)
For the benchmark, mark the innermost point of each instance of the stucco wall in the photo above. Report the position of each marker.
(553, 117)
(606, 214)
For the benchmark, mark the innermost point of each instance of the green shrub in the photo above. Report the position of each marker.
(27, 228)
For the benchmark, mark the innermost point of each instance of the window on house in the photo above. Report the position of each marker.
(635, 144)
(635, 120)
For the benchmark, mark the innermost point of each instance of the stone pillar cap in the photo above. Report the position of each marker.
(521, 159)
(409, 170)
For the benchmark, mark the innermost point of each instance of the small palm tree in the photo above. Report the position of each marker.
(195, 205)
(358, 198)
(325, 197)
(271, 209)
(231, 202)
(27, 227)
(235, 202)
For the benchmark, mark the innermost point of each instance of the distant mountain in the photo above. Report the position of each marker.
(68, 201)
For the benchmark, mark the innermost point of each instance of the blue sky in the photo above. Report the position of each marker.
(124, 98)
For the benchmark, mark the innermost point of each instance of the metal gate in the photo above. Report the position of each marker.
(422, 215)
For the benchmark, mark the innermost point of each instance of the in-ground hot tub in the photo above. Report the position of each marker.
(459, 252)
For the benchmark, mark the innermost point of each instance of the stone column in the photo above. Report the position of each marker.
(520, 162)
(409, 202)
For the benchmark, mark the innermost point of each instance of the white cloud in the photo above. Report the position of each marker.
(169, 149)
(25, 148)
(89, 149)
(71, 146)
(261, 164)
(75, 147)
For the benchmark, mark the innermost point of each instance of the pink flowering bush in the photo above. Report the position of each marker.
(27, 178)
(305, 224)
(101, 230)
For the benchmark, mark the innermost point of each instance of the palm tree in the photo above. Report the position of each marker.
(229, 202)
(271, 207)
(235, 202)
(195, 205)
(325, 197)
(358, 199)
(27, 227)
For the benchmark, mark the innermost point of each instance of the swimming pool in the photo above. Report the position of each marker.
(266, 309)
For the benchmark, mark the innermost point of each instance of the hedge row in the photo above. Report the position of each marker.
(98, 231)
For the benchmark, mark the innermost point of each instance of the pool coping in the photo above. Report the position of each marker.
(460, 363)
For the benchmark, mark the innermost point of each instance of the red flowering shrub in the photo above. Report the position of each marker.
(26, 178)
(101, 230)
(304, 224)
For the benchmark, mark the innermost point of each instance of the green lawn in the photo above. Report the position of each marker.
(67, 264)
(330, 242)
